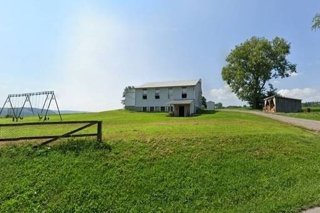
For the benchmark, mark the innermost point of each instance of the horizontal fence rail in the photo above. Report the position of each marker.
(50, 131)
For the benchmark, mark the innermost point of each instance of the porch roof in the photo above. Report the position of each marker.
(180, 102)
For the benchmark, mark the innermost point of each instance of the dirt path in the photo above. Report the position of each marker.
(305, 123)
(313, 210)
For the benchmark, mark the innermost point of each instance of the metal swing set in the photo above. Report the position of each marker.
(17, 103)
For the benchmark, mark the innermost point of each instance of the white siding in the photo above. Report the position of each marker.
(198, 95)
(130, 97)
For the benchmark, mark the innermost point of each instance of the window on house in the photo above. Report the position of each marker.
(144, 109)
(151, 109)
(157, 94)
(184, 92)
(163, 109)
(170, 92)
(144, 95)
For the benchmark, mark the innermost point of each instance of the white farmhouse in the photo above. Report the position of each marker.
(181, 98)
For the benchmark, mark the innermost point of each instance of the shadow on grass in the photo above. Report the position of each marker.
(77, 146)
(205, 112)
(168, 114)
(74, 146)
(208, 112)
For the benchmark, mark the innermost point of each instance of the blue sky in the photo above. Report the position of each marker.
(88, 51)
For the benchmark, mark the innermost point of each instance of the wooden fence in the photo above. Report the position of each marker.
(12, 129)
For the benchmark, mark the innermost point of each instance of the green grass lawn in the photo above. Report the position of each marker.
(313, 115)
(148, 162)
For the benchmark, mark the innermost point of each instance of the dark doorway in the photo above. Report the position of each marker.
(181, 111)
(271, 104)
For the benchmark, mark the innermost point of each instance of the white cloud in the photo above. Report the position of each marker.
(225, 96)
(306, 94)
(295, 74)
(275, 81)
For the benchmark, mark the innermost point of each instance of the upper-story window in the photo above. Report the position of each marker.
(184, 92)
(170, 93)
(157, 94)
(144, 95)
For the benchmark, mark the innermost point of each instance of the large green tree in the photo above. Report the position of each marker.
(316, 22)
(251, 66)
(204, 102)
(125, 91)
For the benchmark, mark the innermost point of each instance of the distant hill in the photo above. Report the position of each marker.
(28, 112)
(25, 111)
(69, 112)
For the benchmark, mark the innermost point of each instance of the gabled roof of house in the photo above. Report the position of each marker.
(169, 84)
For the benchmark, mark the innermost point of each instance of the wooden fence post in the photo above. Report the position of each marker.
(99, 131)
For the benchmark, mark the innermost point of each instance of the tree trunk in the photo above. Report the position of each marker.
(256, 103)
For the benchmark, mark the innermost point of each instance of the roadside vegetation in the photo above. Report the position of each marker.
(217, 162)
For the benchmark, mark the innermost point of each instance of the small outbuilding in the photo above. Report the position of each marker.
(210, 105)
(279, 103)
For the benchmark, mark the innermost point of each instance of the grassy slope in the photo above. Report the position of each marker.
(222, 162)
(313, 115)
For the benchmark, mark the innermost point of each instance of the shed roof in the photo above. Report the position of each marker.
(169, 84)
(279, 96)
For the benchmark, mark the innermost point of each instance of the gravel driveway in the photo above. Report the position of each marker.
(305, 123)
